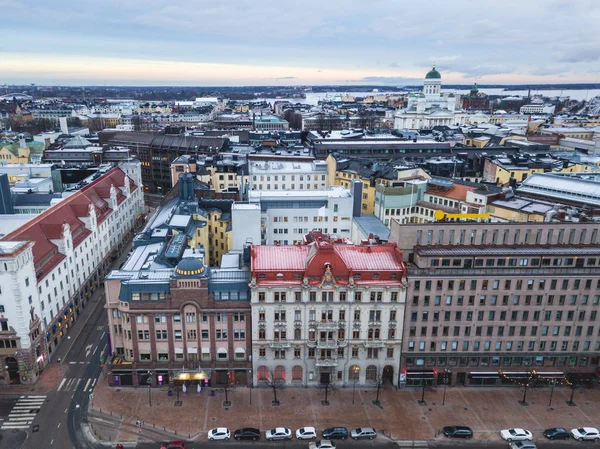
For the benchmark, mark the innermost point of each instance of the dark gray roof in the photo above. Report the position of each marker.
(504, 251)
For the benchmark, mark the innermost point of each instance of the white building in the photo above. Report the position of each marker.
(287, 216)
(430, 108)
(327, 312)
(287, 175)
(537, 109)
(50, 266)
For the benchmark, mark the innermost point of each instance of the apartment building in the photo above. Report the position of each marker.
(287, 216)
(265, 175)
(50, 266)
(485, 297)
(327, 312)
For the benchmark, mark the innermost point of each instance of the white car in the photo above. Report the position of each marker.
(585, 434)
(278, 433)
(219, 433)
(516, 435)
(306, 433)
(321, 444)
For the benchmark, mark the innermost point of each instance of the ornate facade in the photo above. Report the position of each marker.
(326, 312)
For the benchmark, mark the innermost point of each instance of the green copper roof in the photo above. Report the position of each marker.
(433, 74)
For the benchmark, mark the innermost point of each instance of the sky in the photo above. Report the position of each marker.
(308, 42)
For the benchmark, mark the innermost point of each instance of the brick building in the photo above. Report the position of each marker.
(193, 317)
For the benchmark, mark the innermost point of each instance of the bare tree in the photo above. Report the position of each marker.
(275, 384)
(328, 387)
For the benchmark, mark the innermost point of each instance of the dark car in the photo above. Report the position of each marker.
(335, 433)
(458, 432)
(247, 433)
(557, 433)
(175, 445)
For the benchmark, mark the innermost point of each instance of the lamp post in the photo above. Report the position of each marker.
(355, 376)
(251, 384)
(149, 381)
(422, 401)
(446, 374)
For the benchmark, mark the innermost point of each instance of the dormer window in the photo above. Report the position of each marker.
(279, 275)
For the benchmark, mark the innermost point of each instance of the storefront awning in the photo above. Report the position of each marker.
(192, 350)
(205, 350)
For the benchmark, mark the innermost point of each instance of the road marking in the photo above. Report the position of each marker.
(77, 385)
(23, 417)
(61, 384)
(15, 426)
(72, 363)
(93, 353)
(86, 384)
(52, 442)
(102, 336)
(94, 383)
(82, 363)
(68, 387)
(66, 410)
(36, 397)
(58, 426)
(88, 349)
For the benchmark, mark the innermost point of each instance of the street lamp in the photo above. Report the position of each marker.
(355, 376)
(552, 392)
(251, 384)
(149, 381)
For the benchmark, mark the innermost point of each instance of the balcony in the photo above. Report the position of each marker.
(311, 344)
(374, 323)
(326, 362)
(282, 344)
(328, 326)
(374, 344)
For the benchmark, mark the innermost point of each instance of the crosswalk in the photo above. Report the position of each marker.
(72, 384)
(22, 414)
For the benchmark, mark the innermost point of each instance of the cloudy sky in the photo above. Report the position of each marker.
(279, 42)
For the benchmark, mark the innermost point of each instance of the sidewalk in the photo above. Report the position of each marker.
(485, 410)
(47, 382)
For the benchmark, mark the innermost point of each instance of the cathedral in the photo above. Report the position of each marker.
(429, 108)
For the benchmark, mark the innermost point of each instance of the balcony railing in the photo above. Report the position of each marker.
(280, 344)
(328, 325)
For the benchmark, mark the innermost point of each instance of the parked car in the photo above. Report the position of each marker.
(556, 433)
(337, 433)
(219, 433)
(586, 434)
(516, 435)
(175, 445)
(321, 444)
(522, 445)
(458, 432)
(247, 433)
(278, 433)
(306, 433)
(361, 433)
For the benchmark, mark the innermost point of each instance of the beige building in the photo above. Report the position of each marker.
(500, 296)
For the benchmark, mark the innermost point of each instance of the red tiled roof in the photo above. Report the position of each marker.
(369, 258)
(49, 225)
(279, 258)
(282, 265)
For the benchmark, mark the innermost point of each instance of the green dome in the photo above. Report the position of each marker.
(433, 74)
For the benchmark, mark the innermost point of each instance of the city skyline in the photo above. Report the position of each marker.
(258, 43)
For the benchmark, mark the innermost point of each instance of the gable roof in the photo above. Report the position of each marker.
(48, 225)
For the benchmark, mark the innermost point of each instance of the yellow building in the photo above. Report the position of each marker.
(345, 176)
(219, 235)
(507, 213)
(501, 171)
(11, 154)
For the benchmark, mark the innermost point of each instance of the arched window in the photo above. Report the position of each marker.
(261, 334)
(354, 372)
(297, 334)
(377, 334)
(370, 334)
(279, 372)
(391, 334)
(297, 372)
(263, 373)
(371, 373)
